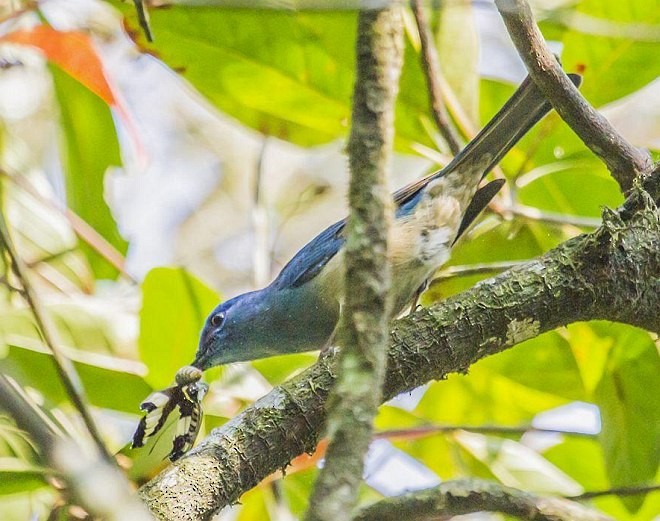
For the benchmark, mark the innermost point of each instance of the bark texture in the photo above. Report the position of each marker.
(363, 329)
(455, 498)
(610, 274)
(625, 162)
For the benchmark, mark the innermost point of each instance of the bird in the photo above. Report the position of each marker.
(300, 309)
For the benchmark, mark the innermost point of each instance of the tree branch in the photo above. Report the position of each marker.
(363, 328)
(612, 273)
(431, 68)
(500, 430)
(617, 491)
(455, 498)
(624, 161)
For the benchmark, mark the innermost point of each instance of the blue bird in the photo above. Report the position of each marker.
(300, 309)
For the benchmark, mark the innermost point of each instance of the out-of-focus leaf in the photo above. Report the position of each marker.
(90, 146)
(607, 40)
(254, 506)
(544, 363)
(436, 450)
(17, 475)
(297, 489)
(174, 307)
(14, 442)
(628, 397)
(572, 188)
(582, 459)
(72, 51)
(277, 369)
(458, 50)
(518, 466)
(110, 383)
(44, 239)
(285, 73)
(84, 324)
(590, 351)
(483, 398)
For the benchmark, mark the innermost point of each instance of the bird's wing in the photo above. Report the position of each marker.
(520, 113)
(312, 258)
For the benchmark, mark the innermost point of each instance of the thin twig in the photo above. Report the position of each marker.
(427, 430)
(143, 19)
(432, 74)
(617, 491)
(475, 269)
(65, 369)
(554, 218)
(624, 161)
(261, 257)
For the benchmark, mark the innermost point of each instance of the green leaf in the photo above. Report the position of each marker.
(19, 476)
(109, 382)
(15, 442)
(90, 146)
(44, 236)
(559, 191)
(458, 50)
(285, 73)
(174, 307)
(628, 395)
(590, 351)
(611, 45)
(86, 324)
(277, 369)
(482, 398)
(518, 466)
(548, 366)
(582, 459)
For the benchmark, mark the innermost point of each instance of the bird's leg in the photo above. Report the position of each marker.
(415, 300)
(329, 349)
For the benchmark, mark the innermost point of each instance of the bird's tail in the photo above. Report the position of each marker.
(523, 110)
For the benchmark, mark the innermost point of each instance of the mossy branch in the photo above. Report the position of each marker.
(610, 274)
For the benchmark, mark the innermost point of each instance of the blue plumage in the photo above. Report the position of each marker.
(300, 309)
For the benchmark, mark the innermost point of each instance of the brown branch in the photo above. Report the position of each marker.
(612, 274)
(363, 329)
(455, 498)
(474, 269)
(624, 161)
(65, 369)
(432, 74)
(500, 430)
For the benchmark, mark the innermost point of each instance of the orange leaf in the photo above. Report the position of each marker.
(72, 51)
(302, 462)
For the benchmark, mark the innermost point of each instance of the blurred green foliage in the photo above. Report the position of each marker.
(289, 74)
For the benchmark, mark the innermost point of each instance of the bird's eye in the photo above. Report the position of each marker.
(217, 320)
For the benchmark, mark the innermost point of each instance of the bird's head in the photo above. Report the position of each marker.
(231, 333)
